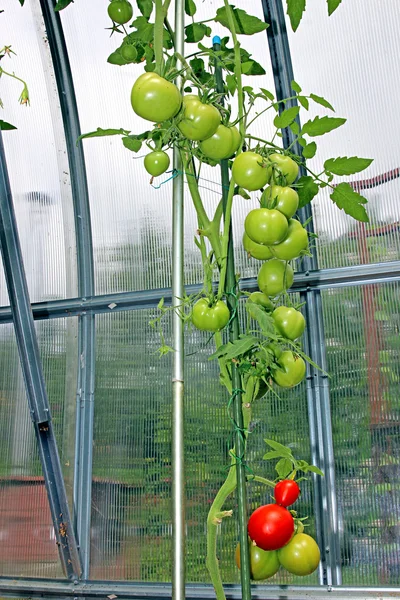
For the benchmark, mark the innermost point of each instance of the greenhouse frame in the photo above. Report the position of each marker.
(116, 433)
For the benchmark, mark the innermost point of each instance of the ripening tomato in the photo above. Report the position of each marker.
(301, 555)
(266, 226)
(262, 300)
(294, 244)
(250, 171)
(286, 492)
(120, 11)
(289, 322)
(255, 250)
(156, 163)
(199, 121)
(293, 369)
(263, 563)
(208, 317)
(274, 277)
(285, 199)
(222, 144)
(154, 98)
(270, 526)
(284, 170)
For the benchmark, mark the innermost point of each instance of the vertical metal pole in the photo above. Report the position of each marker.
(86, 333)
(240, 442)
(32, 370)
(178, 462)
(317, 385)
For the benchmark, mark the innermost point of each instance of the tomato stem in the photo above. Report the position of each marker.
(161, 13)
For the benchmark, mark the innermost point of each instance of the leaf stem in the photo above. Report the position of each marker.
(161, 14)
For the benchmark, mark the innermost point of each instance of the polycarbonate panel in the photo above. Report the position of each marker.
(363, 352)
(132, 219)
(131, 510)
(23, 500)
(353, 64)
(36, 160)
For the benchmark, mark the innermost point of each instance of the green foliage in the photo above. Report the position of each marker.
(245, 24)
(350, 201)
(295, 10)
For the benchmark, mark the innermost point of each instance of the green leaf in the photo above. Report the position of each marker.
(132, 143)
(332, 6)
(307, 189)
(196, 31)
(144, 30)
(283, 467)
(320, 100)
(22, 2)
(231, 84)
(102, 133)
(314, 469)
(286, 117)
(272, 454)
(197, 65)
(61, 4)
(252, 68)
(303, 101)
(284, 450)
(116, 58)
(190, 8)
(244, 24)
(319, 126)
(268, 94)
(347, 166)
(295, 127)
(310, 150)
(350, 201)
(234, 349)
(4, 126)
(264, 320)
(295, 10)
(295, 87)
(145, 7)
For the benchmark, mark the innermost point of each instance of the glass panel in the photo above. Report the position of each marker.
(23, 499)
(37, 165)
(363, 350)
(131, 519)
(330, 58)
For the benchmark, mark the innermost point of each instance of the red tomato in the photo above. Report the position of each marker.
(286, 492)
(270, 526)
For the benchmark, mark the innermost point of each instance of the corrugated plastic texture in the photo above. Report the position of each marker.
(131, 520)
(363, 351)
(36, 162)
(23, 500)
(351, 59)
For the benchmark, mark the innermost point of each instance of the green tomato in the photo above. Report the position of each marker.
(129, 52)
(285, 170)
(200, 121)
(156, 163)
(289, 322)
(263, 563)
(301, 555)
(257, 251)
(120, 11)
(274, 277)
(154, 98)
(266, 226)
(222, 144)
(250, 171)
(210, 318)
(294, 370)
(294, 244)
(262, 300)
(285, 199)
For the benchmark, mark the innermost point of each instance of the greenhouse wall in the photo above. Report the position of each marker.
(95, 240)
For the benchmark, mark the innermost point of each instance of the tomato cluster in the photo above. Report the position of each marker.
(275, 540)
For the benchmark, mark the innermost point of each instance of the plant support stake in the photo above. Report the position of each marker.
(232, 301)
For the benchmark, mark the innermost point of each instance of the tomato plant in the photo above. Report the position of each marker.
(120, 11)
(266, 226)
(301, 555)
(270, 526)
(263, 563)
(286, 492)
(284, 169)
(222, 144)
(292, 369)
(256, 250)
(250, 171)
(289, 322)
(199, 121)
(262, 300)
(285, 199)
(295, 243)
(156, 163)
(210, 317)
(274, 277)
(154, 98)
